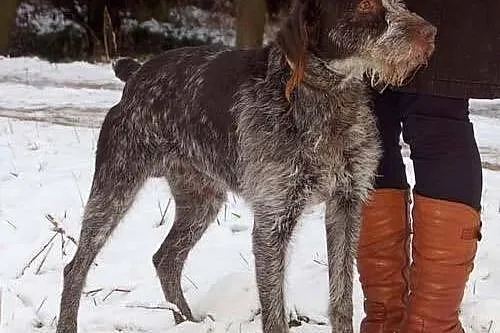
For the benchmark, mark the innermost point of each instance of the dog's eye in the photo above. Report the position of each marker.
(369, 6)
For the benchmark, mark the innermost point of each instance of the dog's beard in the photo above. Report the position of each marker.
(395, 65)
(381, 75)
(382, 68)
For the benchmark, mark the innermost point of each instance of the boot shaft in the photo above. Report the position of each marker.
(383, 260)
(444, 245)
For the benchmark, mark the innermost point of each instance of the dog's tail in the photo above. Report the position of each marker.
(125, 67)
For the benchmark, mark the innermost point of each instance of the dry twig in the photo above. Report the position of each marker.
(169, 307)
(39, 268)
(115, 290)
(37, 254)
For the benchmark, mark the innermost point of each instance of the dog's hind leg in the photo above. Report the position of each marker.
(342, 228)
(198, 199)
(109, 199)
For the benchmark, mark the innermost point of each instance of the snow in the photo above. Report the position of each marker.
(223, 36)
(185, 22)
(65, 97)
(43, 19)
(37, 72)
(190, 22)
(45, 175)
(79, 93)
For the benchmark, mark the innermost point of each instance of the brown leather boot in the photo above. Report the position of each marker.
(383, 260)
(445, 236)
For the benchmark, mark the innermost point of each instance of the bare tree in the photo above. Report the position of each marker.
(7, 18)
(251, 19)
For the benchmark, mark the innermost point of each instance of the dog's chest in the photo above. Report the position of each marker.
(337, 144)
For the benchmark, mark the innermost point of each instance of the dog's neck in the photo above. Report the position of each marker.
(319, 76)
(325, 77)
(350, 69)
(333, 75)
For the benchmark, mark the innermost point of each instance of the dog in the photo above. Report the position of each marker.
(284, 126)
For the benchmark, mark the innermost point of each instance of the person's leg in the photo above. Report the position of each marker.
(446, 217)
(391, 170)
(383, 251)
(443, 149)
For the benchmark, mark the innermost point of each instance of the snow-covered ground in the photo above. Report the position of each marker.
(184, 22)
(45, 177)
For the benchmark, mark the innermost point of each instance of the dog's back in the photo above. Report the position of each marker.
(179, 103)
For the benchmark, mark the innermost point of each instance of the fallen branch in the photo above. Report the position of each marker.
(39, 268)
(319, 262)
(151, 307)
(38, 254)
(191, 281)
(244, 259)
(169, 307)
(41, 305)
(115, 290)
(11, 224)
(59, 229)
(163, 212)
(491, 325)
(92, 292)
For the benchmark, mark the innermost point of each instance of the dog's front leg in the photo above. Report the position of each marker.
(342, 228)
(273, 228)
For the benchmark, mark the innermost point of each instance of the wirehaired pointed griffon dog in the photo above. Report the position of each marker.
(285, 126)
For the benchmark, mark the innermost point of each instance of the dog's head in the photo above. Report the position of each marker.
(378, 38)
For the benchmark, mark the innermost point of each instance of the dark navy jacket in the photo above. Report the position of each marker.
(466, 63)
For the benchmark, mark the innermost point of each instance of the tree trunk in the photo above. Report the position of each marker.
(251, 19)
(7, 18)
(96, 25)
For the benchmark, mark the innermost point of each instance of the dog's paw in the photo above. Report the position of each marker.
(66, 329)
(341, 324)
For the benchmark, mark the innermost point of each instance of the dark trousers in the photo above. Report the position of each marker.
(443, 148)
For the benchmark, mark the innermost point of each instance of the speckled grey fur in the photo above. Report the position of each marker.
(211, 120)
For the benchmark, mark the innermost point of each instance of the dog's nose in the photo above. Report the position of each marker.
(424, 39)
(428, 33)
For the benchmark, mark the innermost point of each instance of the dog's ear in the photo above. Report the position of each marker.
(298, 35)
